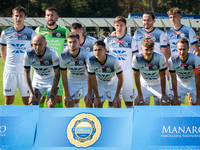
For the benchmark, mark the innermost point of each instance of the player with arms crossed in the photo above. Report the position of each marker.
(123, 46)
(56, 37)
(177, 32)
(14, 42)
(45, 62)
(185, 74)
(149, 70)
(109, 77)
(158, 36)
(74, 59)
(86, 42)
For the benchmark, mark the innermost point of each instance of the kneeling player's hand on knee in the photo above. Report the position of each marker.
(139, 100)
(97, 103)
(69, 102)
(175, 101)
(165, 100)
(51, 104)
(117, 102)
(32, 100)
(89, 100)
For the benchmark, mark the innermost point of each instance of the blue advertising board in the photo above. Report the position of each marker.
(166, 128)
(75, 128)
(17, 127)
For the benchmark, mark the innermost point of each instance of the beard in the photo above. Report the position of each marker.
(51, 24)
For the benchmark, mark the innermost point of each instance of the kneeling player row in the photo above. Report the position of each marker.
(108, 72)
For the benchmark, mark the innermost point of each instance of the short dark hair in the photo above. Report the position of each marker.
(183, 40)
(174, 10)
(148, 42)
(52, 9)
(19, 9)
(150, 13)
(99, 42)
(73, 35)
(119, 18)
(76, 25)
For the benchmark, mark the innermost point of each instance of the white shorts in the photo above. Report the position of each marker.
(182, 92)
(13, 80)
(128, 92)
(149, 90)
(75, 87)
(107, 91)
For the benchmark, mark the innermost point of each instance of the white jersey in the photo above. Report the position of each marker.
(158, 36)
(43, 66)
(184, 32)
(76, 65)
(122, 49)
(17, 43)
(87, 44)
(149, 71)
(106, 73)
(184, 70)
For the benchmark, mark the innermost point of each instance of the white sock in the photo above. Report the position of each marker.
(110, 106)
(9, 104)
(76, 105)
(129, 106)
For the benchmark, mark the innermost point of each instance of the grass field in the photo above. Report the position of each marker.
(18, 100)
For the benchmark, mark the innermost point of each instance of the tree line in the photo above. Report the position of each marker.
(98, 8)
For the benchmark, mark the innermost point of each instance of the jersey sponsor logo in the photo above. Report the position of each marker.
(164, 41)
(119, 41)
(176, 33)
(53, 43)
(183, 65)
(74, 60)
(7, 90)
(102, 67)
(39, 59)
(18, 34)
(84, 130)
(119, 68)
(147, 35)
(194, 37)
(52, 31)
(148, 65)
(82, 47)
(18, 48)
(57, 60)
(163, 64)
(42, 71)
(120, 54)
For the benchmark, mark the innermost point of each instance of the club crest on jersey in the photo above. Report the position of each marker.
(24, 37)
(182, 35)
(88, 49)
(190, 67)
(46, 62)
(147, 35)
(153, 38)
(102, 67)
(83, 130)
(155, 67)
(177, 33)
(81, 62)
(58, 34)
(18, 34)
(119, 41)
(183, 65)
(52, 31)
(148, 65)
(74, 60)
(39, 59)
(108, 69)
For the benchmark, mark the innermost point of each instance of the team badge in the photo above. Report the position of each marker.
(83, 130)
(125, 44)
(153, 38)
(81, 62)
(182, 35)
(108, 69)
(46, 62)
(155, 67)
(88, 49)
(58, 34)
(24, 37)
(190, 67)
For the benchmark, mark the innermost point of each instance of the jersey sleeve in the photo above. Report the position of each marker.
(192, 37)
(33, 34)
(134, 64)
(3, 40)
(26, 61)
(197, 65)
(90, 68)
(118, 67)
(55, 59)
(106, 42)
(134, 46)
(170, 65)
(167, 38)
(163, 40)
(162, 63)
(62, 64)
(88, 56)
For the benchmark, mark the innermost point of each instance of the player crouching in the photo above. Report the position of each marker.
(46, 71)
(109, 77)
